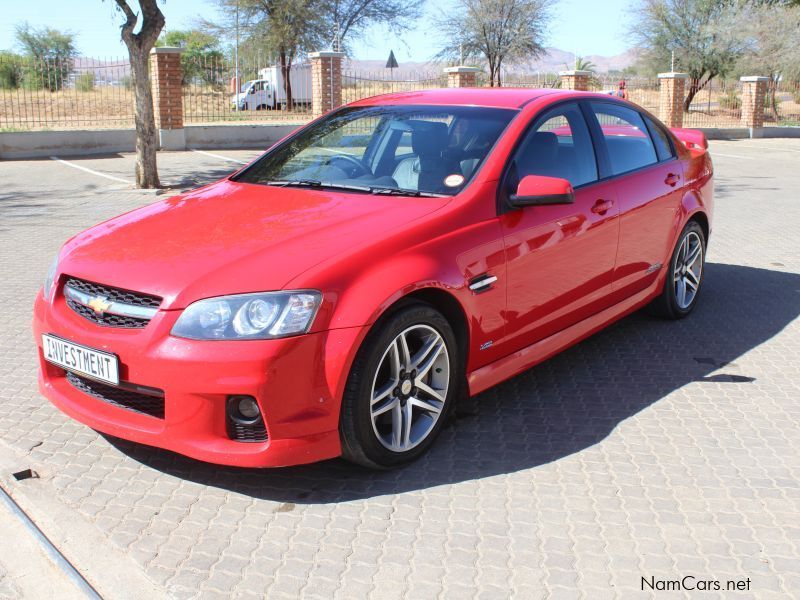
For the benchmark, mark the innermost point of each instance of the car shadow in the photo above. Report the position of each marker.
(556, 409)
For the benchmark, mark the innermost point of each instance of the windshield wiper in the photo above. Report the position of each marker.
(385, 191)
(378, 191)
(296, 183)
(316, 183)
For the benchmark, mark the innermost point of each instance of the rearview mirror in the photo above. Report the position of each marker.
(536, 190)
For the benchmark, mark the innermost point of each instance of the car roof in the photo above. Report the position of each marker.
(492, 97)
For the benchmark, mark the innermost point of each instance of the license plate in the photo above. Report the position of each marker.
(80, 359)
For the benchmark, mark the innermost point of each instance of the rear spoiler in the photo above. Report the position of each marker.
(693, 139)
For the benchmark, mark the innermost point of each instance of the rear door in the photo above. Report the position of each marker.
(560, 258)
(649, 183)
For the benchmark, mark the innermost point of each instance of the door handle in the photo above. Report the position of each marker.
(672, 179)
(601, 207)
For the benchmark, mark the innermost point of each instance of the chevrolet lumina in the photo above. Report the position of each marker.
(342, 293)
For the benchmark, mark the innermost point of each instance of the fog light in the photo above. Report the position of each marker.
(243, 409)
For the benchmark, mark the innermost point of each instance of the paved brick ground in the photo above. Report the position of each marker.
(653, 449)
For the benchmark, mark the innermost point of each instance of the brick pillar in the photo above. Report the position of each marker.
(670, 98)
(575, 80)
(460, 77)
(754, 90)
(166, 75)
(326, 81)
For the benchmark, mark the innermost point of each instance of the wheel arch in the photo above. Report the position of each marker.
(445, 303)
(702, 219)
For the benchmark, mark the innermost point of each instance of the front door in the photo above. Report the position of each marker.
(560, 258)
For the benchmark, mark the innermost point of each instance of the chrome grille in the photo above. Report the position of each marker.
(126, 309)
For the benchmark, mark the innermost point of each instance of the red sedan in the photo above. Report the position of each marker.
(343, 292)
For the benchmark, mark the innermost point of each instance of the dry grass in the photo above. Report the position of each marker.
(112, 106)
(104, 106)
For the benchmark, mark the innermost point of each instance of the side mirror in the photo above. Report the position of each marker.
(536, 190)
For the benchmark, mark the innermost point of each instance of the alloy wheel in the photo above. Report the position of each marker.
(409, 389)
(688, 270)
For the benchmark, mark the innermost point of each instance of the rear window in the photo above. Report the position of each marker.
(627, 139)
(660, 139)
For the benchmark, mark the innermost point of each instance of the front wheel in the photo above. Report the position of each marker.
(685, 276)
(401, 389)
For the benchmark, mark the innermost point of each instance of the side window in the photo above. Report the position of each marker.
(626, 137)
(404, 145)
(660, 139)
(558, 146)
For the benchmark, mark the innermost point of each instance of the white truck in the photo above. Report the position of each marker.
(268, 93)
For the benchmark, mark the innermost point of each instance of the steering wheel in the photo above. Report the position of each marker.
(361, 168)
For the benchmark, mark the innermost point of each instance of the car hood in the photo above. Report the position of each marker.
(230, 238)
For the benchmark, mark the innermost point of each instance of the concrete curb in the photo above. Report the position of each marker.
(111, 572)
(42, 144)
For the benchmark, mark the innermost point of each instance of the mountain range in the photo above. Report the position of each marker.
(553, 61)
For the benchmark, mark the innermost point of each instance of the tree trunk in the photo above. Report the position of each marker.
(289, 92)
(772, 90)
(139, 46)
(492, 72)
(694, 87)
(145, 122)
(285, 72)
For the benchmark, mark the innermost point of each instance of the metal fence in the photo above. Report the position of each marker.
(210, 91)
(358, 84)
(96, 93)
(79, 93)
(528, 80)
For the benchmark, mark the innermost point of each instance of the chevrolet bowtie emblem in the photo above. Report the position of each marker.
(99, 304)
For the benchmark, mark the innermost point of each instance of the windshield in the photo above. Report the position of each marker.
(413, 150)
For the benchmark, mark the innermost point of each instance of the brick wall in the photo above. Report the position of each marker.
(326, 81)
(575, 80)
(754, 91)
(672, 90)
(461, 77)
(166, 75)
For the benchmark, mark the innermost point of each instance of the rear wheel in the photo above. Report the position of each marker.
(685, 276)
(401, 389)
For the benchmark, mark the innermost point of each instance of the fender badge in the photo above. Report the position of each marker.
(653, 268)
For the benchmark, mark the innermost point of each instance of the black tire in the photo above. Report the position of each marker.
(666, 305)
(360, 442)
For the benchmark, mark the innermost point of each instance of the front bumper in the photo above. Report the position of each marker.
(298, 383)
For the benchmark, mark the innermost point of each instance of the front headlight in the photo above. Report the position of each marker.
(50, 278)
(262, 316)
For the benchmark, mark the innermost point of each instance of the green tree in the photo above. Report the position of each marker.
(284, 28)
(583, 64)
(49, 54)
(771, 34)
(10, 70)
(287, 29)
(497, 31)
(201, 56)
(695, 31)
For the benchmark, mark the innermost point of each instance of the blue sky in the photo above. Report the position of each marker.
(581, 26)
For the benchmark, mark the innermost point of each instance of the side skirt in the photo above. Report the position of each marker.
(522, 360)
